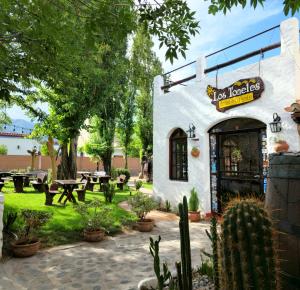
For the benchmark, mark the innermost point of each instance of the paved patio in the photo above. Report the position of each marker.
(117, 263)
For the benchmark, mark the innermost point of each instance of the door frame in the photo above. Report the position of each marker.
(260, 128)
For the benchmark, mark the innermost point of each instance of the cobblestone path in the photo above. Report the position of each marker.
(117, 263)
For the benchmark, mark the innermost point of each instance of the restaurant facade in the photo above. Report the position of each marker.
(215, 134)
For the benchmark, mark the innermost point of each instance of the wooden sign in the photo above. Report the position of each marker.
(239, 93)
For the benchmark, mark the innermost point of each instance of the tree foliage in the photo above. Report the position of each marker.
(289, 6)
(145, 66)
(126, 120)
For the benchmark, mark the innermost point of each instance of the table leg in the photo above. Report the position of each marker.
(70, 195)
(26, 181)
(63, 194)
(18, 183)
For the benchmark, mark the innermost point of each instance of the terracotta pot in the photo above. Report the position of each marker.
(93, 236)
(281, 146)
(195, 152)
(24, 249)
(145, 226)
(194, 216)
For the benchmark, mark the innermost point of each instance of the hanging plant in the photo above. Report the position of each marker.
(195, 152)
(236, 155)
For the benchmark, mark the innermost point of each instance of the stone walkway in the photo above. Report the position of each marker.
(117, 263)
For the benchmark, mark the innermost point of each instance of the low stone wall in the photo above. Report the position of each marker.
(1, 221)
(9, 162)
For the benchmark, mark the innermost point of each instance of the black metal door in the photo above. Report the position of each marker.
(238, 160)
(240, 165)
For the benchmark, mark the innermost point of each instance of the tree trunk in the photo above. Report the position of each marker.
(106, 159)
(50, 146)
(69, 159)
(126, 158)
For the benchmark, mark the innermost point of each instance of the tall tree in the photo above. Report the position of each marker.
(126, 121)
(145, 66)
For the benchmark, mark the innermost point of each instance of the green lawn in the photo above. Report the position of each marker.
(148, 185)
(65, 226)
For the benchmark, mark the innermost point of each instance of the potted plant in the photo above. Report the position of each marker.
(94, 219)
(27, 244)
(195, 152)
(281, 146)
(236, 155)
(141, 204)
(194, 213)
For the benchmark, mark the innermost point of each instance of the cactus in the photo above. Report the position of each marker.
(247, 252)
(166, 275)
(185, 247)
(213, 236)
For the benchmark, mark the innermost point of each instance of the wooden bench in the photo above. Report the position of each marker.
(81, 191)
(39, 183)
(50, 192)
(120, 181)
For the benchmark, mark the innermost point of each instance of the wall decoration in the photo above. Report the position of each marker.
(195, 152)
(239, 93)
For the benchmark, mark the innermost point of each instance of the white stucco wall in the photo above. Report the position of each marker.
(191, 104)
(24, 144)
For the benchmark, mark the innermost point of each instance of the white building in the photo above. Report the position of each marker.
(235, 141)
(17, 143)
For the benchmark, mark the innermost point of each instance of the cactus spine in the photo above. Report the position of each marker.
(247, 252)
(185, 247)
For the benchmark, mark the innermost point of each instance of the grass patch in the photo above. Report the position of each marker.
(148, 185)
(65, 225)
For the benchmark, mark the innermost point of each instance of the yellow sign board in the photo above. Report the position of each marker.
(236, 100)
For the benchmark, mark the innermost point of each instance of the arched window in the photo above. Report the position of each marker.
(178, 156)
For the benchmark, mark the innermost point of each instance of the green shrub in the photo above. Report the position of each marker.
(94, 215)
(168, 206)
(141, 204)
(3, 150)
(206, 268)
(194, 201)
(33, 220)
(120, 171)
(138, 184)
(109, 191)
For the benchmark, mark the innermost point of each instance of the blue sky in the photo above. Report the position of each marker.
(217, 32)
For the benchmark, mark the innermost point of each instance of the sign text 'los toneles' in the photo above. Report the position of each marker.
(239, 93)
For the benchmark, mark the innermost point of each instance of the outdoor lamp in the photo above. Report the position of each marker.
(275, 126)
(191, 131)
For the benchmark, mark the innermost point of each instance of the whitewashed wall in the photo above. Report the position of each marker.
(24, 144)
(191, 104)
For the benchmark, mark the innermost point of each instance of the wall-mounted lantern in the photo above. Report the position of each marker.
(275, 126)
(191, 131)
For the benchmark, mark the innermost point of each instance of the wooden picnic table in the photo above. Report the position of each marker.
(4, 174)
(68, 186)
(20, 180)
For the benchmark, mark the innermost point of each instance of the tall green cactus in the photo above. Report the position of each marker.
(248, 258)
(214, 238)
(165, 276)
(185, 246)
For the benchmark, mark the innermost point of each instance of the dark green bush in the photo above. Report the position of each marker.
(109, 191)
(138, 184)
